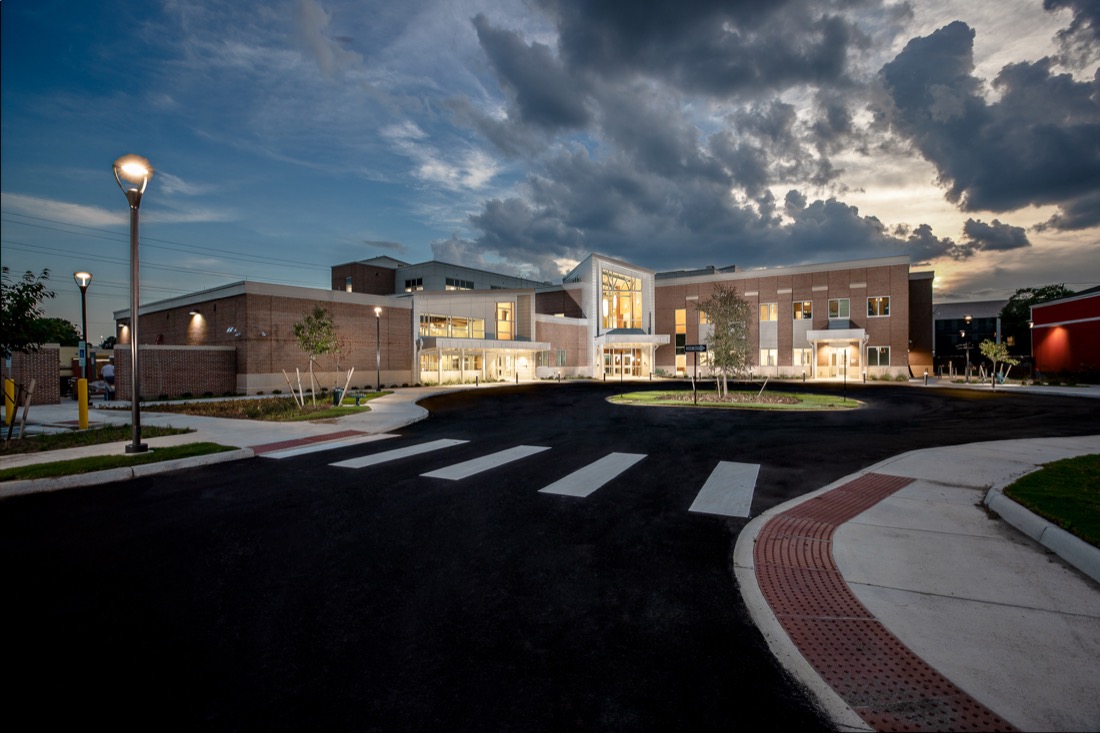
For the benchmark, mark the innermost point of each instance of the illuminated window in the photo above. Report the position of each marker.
(878, 306)
(414, 284)
(803, 310)
(704, 319)
(802, 357)
(505, 319)
(769, 357)
(769, 311)
(347, 283)
(621, 305)
(839, 308)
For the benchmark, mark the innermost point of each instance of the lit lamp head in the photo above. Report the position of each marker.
(132, 172)
(83, 279)
(377, 312)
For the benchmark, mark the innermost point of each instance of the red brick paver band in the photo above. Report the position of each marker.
(879, 677)
(298, 442)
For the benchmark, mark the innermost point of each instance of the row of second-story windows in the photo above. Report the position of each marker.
(839, 308)
(453, 283)
(877, 356)
(414, 284)
(459, 327)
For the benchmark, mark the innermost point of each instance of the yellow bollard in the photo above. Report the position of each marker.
(82, 401)
(9, 401)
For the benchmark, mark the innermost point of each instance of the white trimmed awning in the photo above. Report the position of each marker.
(836, 335)
(428, 343)
(631, 340)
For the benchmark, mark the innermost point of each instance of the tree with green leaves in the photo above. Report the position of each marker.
(728, 345)
(21, 318)
(316, 334)
(1017, 312)
(59, 331)
(998, 354)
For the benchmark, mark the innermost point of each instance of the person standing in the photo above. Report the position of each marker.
(108, 374)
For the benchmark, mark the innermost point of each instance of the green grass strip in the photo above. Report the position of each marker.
(102, 463)
(81, 438)
(272, 409)
(745, 400)
(1066, 492)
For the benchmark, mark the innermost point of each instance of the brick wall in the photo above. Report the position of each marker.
(176, 370)
(43, 366)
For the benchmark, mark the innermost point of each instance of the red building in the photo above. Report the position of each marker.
(1065, 335)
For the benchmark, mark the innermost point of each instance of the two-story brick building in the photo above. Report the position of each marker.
(435, 323)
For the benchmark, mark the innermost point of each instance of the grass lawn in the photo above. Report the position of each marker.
(1066, 492)
(78, 438)
(276, 409)
(102, 463)
(744, 400)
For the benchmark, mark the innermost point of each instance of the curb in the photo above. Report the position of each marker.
(1069, 547)
(111, 475)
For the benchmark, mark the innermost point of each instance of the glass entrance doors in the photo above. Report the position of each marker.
(622, 362)
(838, 361)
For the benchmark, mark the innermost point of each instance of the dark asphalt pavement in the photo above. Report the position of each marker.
(290, 594)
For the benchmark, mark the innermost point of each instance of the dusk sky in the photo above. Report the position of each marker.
(518, 136)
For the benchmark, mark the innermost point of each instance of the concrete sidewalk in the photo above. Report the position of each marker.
(994, 607)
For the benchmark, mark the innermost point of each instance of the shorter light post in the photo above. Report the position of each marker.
(83, 280)
(378, 347)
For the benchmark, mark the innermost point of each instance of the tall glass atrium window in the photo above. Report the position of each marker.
(621, 304)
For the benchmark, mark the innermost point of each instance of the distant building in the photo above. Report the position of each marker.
(962, 324)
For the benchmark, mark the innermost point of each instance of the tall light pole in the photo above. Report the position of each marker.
(132, 172)
(83, 280)
(378, 347)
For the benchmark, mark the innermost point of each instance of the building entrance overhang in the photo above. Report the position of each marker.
(631, 339)
(836, 336)
(431, 343)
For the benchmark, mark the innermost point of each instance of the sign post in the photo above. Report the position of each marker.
(695, 350)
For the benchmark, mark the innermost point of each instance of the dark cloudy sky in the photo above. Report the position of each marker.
(292, 135)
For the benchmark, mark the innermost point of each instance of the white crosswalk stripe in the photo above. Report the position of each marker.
(477, 465)
(396, 453)
(728, 491)
(584, 481)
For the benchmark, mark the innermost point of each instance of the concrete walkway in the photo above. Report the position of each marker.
(1002, 616)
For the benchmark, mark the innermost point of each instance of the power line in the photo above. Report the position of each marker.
(114, 236)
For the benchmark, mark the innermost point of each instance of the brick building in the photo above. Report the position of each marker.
(439, 323)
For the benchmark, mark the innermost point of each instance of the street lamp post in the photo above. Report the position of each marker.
(83, 280)
(132, 173)
(378, 347)
(967, 318)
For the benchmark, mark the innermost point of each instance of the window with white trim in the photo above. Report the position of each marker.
(803, 310)
(769, 357)
(878, 356)
(878, 307)
(769, 311)
(839, 308)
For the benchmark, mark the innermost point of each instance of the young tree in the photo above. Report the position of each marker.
(21, 319)
(997, 353)
(728, 344)
(316, 334)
